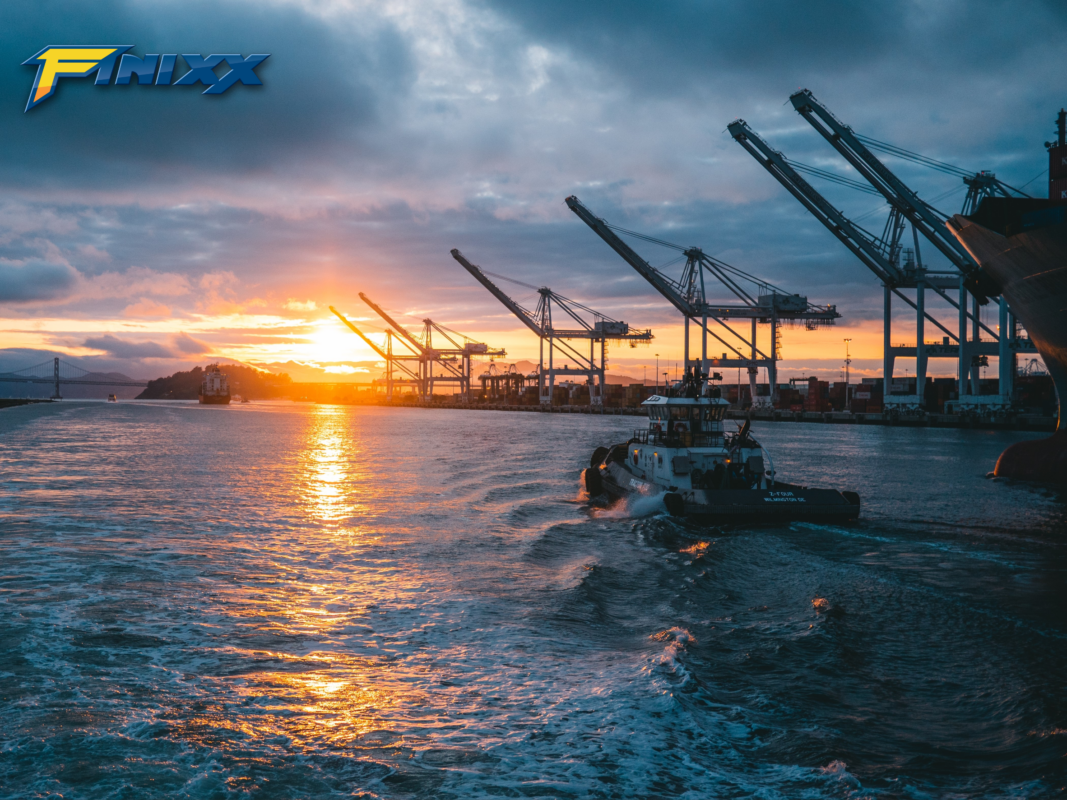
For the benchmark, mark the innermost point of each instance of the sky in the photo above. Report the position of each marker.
(148, 229)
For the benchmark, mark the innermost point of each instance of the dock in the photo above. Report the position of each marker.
(1016, 422)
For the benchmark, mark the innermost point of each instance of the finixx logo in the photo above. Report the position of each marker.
(57, 62)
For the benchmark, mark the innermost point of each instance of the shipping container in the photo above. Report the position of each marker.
(1057, 189)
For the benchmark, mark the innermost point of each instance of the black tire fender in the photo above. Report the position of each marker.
(594, 484)
(675, 504)
(598, 456)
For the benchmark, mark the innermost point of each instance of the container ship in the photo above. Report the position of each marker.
(215, 389)
(1021, 244)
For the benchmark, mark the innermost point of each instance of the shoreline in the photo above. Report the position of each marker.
(1018, 422)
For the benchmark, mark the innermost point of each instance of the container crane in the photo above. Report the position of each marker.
(930, 222)
(497, 383)
(765, 303)
(923, 217)
(540, 321)
(882, 257)
(454, 361)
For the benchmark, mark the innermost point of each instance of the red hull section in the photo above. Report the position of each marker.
(1042, 460)
(1024, 250)
(215, 400)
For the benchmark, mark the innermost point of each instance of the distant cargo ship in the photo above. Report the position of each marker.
(215, 389)
(1021, 243)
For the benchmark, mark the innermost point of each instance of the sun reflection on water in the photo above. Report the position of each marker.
(347, 703)
(330, 460)
(300, 685)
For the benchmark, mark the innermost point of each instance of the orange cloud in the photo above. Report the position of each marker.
(146, 308)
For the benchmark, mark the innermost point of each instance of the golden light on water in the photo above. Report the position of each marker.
(331, 477)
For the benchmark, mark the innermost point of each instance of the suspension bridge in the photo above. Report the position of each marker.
(58, 372)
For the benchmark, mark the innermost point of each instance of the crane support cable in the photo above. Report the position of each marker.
(646, 238)
(931, 163)
(917, 158)
(511, 280)
(720, 264)
(859, 186)
(555, 296)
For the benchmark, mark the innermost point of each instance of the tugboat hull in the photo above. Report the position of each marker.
(687, 458)
(782, 503)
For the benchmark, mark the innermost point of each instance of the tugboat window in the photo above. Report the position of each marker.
(679, 412)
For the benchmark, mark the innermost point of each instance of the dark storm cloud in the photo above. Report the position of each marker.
(695, 47)
(454, 126)
(967, 82)
(323, 85)
(688, 48)
(35, 280)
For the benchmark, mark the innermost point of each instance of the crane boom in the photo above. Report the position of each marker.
(388, 358)
(854, 238)
(359, 333)
(525, 316)
(921, 215)
(646, 270)
(399, 328)
(868, 251)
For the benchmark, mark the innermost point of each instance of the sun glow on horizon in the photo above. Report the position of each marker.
(332, 341)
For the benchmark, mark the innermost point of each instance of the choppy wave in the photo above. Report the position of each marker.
(288, 601)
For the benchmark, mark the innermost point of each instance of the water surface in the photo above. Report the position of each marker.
(289, 601)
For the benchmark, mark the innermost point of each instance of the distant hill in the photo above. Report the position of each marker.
(245, 381)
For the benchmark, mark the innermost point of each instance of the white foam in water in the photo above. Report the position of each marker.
(634, 505)
(330, 615)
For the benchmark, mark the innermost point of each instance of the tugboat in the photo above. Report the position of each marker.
(215, 389)
(703, 472)
(112, 398)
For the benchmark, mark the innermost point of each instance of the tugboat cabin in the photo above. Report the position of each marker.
(685, 447)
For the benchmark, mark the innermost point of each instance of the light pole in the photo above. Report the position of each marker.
(848, 361)
(657, 373)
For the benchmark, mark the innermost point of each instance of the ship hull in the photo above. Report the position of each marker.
(1028, 261)
(214, 399)
(782, 503)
